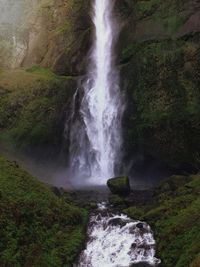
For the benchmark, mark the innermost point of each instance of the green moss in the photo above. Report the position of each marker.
(116, 200)
(43, 71)
(175, 219)
(161, 81)
(145, 7)
(32, 106)
(135, 213)
(173, 23)
(36, 227)
(165, 13)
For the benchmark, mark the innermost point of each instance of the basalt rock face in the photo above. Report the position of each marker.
(160, 56)
(59, 37)
(46, 43)
(159, 60)
(53, 34)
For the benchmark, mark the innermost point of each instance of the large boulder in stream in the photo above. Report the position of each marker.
(119, 185)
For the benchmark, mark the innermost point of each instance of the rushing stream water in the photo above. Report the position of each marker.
(117, 241)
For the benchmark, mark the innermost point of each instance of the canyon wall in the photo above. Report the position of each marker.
(158, 56)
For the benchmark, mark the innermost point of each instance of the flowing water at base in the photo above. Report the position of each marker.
(114, 240)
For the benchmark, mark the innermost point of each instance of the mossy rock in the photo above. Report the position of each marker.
(119, 185)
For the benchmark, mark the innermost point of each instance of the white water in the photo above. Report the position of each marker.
(113, 245)
(96, 136)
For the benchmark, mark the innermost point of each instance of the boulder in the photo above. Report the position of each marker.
(119, 185)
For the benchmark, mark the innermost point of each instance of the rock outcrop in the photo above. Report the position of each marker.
(160, 65)
(52, 34)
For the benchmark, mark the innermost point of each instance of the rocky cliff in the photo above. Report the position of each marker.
(52, 34)
(158, 55)
(159, 62)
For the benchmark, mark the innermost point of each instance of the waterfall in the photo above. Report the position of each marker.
(96, 135)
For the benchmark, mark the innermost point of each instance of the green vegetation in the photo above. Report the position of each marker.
(160, 67)
(32, 106)
(166, 13)
(163, 83)
(175, 218)
(36, 227)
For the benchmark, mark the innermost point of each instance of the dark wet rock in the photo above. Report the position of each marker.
(119, 185)
(134, 246)
(117, 222)
(140, 225)
(146, 247)
(141, 264)
(86, 198)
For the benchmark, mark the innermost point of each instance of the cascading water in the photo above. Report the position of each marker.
(96, 135)
(117, 241)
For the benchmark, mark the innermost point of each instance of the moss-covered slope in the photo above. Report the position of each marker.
(33, 106)
(36, 227)
(175, 217)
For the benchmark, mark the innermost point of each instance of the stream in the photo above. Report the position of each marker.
(114, 240)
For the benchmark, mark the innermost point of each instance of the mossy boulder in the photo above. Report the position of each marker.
(119, 185)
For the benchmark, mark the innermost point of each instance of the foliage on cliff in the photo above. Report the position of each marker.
(32, 107)
(36, 227)
(160, 75)
(175, 219)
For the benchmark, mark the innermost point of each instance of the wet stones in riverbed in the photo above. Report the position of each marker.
(140, 225)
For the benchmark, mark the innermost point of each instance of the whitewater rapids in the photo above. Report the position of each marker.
(114, 240)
